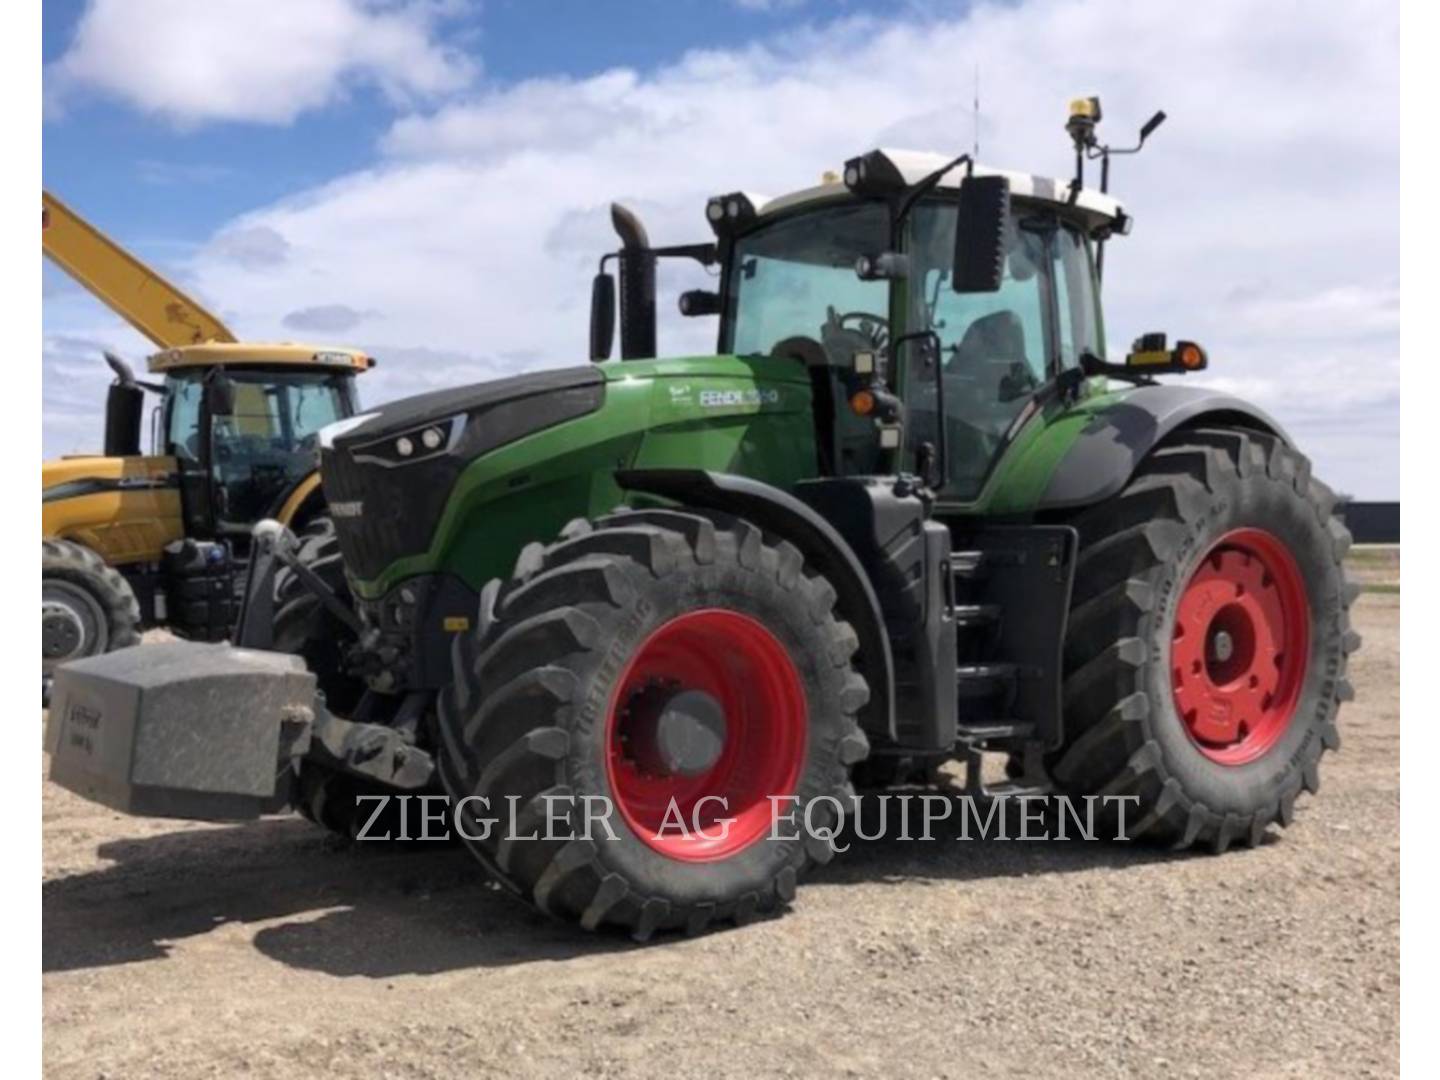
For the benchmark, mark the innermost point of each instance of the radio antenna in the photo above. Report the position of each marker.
(975, 147)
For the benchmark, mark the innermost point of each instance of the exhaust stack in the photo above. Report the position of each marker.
(637, 285)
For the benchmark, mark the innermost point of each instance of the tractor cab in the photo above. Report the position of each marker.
(876, 308)
(242, 423)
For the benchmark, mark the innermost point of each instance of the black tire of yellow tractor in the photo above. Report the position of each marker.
(303, 626)
(526, 717)
(75, 567)
(1138, 551)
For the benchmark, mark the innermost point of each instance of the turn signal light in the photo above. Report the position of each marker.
(1152, 353)
(862, 403)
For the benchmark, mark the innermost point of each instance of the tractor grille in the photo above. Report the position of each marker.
(383, 514)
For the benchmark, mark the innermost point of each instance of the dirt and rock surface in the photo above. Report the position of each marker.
(175, 950)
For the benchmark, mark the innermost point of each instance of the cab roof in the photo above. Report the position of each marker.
(914, 165)
(253, 354)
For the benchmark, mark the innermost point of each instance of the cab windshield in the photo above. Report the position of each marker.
(268, 441)
(796, 279)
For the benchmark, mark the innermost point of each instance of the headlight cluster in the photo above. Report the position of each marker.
(419, 443)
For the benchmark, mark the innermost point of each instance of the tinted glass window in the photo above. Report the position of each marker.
(796, 278)
(995, 347)
(183, 435)
(1075, 294)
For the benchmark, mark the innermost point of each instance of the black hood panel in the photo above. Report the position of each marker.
(387, 510)
(411, 412)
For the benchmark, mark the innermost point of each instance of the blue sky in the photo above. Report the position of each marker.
(429, 179)
(158, 184)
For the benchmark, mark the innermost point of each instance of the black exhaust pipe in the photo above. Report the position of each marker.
(637, 286)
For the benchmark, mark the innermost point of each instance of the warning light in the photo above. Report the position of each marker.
(1190, 356)
(862, 403)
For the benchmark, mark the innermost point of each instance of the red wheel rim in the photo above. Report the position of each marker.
(745, 670)
(1240, 646)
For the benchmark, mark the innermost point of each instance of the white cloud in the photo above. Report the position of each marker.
(263, 61)
(768, 5)
(1267, 207)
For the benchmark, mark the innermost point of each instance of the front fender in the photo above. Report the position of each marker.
(304, 495)
(1119, 436)
(782, 514)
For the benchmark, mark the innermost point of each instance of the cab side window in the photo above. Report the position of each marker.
(183, 426)
(995, 348)
(1076, 297)
(988, 336)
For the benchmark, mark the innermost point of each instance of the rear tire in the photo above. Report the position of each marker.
(1216, 734)
(546, 695)
(86, 606)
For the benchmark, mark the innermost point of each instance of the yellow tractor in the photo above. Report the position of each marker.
(134, 539)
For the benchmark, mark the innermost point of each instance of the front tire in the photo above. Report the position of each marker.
(86, 606)
(304, 627)
(1207, 644)
(658, 655)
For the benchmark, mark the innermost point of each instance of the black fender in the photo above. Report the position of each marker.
(1119, 437)
(782, 514)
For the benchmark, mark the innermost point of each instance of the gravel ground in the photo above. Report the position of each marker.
(177, 950)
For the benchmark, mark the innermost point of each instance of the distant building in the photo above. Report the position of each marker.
(1372, 522)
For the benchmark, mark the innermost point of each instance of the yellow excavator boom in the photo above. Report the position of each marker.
(122, 282)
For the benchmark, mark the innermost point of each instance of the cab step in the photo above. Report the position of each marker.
(974, 734)
(976, 616)
(985, 679)
(969, 565)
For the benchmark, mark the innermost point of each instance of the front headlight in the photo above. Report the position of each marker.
(420, 443)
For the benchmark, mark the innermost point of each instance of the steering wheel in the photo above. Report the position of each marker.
(875, 329)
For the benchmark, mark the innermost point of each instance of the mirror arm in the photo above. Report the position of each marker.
(923, 187)
(1090, 365)
(704, 254)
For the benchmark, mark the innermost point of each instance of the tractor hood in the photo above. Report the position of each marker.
(389, 474)
(543, 392)
(395, 466)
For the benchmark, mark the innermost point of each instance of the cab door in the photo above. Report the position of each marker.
(186, 428)
(998, 350)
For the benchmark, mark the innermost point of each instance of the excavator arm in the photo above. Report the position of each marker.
(123, 283)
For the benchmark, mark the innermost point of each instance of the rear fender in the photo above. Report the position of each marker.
(1118, 438)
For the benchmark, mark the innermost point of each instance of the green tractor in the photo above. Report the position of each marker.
(908, 513)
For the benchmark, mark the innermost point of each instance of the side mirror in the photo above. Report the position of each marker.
(602, 317)
(220, 395)
(979, 261)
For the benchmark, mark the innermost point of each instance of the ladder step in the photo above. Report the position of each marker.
(998, 729)
(981, 680)
(968, 565)
(969, 616)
